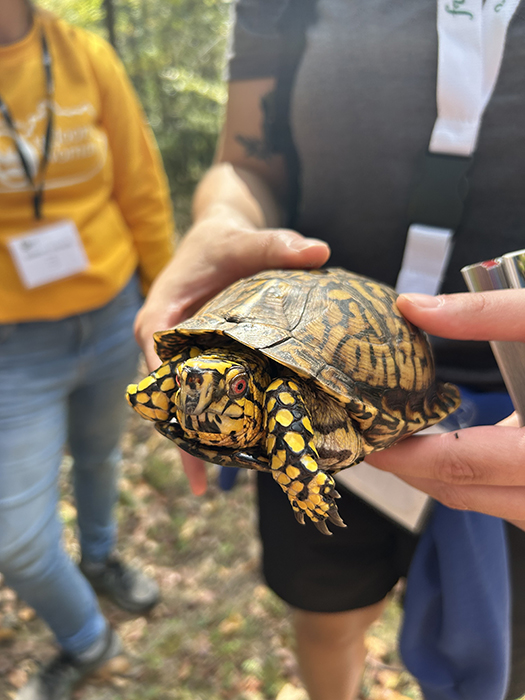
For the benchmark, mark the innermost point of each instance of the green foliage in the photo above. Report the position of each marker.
(174, 52)
(84, 13)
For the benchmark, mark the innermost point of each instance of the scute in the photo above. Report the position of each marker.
(340, 329)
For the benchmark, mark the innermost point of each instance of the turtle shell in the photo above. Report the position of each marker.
(337, 328)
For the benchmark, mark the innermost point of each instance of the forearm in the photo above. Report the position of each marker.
(236, 232)
(232, 193)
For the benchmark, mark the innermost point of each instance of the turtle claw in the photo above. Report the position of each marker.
(321, 526)
(170, 429)
(335, 518)
(299, 516)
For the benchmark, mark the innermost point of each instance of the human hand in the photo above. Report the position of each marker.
(216, 252)
(480, 468)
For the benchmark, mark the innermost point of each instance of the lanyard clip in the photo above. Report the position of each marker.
(440, 192)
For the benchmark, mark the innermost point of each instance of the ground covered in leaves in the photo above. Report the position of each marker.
(219, 633)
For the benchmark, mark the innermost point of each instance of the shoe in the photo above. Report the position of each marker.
(58, 679)
(127, 587)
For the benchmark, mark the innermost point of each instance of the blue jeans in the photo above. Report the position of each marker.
(62, 382)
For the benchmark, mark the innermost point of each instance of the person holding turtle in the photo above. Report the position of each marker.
(85, 226)
(332, 106)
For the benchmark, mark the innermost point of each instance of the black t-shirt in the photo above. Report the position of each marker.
(362, 110)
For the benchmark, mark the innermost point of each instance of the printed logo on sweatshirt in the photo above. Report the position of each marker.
(79, 148)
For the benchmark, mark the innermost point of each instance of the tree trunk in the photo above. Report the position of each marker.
(109, 8)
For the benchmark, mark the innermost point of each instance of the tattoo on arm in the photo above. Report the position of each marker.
(265, 147)
(254, 148)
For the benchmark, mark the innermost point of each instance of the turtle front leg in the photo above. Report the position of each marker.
(250, 458)
(293, 456)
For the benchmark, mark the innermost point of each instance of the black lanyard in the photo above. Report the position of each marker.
(37, 180)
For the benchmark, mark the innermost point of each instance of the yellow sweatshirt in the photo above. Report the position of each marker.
(104, 171)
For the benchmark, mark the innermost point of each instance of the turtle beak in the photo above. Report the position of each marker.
(196, 391)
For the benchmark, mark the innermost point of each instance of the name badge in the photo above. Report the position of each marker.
(49, 253)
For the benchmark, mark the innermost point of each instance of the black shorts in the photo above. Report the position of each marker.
(355, 567)
(359, 564)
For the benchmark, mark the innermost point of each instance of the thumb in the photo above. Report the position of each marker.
(149, 319)
(268, 249)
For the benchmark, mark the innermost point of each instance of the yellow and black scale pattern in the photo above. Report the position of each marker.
(270, 416)
(223, 420)
(333, 344)
(151, 397)
(293, 456)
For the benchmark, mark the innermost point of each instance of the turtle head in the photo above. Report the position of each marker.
(216, 396)
(219, 399)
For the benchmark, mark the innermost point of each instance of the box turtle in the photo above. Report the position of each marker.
(297, 373)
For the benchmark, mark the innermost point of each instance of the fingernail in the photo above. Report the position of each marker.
(299, 243)
(424, 301)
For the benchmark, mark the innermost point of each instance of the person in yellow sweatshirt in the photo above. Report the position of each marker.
(85, 226)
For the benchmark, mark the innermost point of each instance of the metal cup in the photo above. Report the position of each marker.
(506, 272)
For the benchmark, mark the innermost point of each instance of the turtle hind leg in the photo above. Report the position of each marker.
(442, 402)
(294, 459)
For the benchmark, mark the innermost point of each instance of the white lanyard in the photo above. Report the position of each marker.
(472, 38)
(471, 45)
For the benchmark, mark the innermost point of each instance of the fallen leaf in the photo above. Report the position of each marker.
(120, 682)
(231, 624)
(117, 666)
(224, 573)
(167, 578)
(125, 484)
(7, 595)
(260, 592)
(190, 527)
(143, 491)
(388, 679)
(203, 597)
(184, 670)
(6, 634)
(133, 630)
(250, 685)
(26, 614)
(18, 677)
(376, 647)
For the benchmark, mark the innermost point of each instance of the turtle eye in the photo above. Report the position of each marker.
(238, 386)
